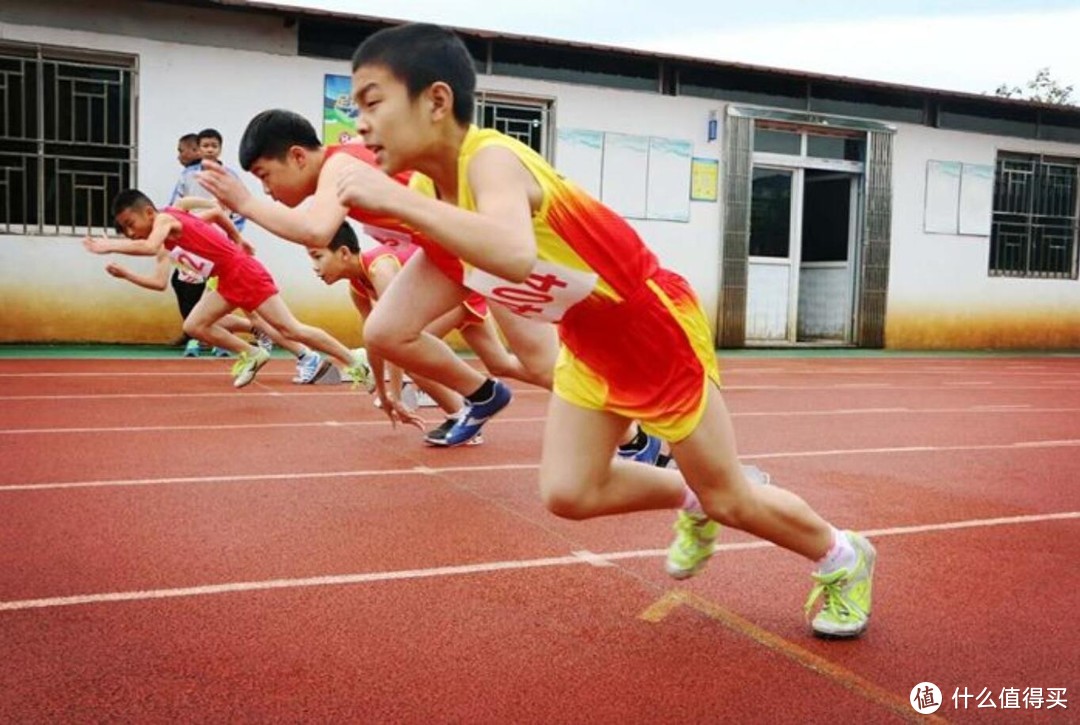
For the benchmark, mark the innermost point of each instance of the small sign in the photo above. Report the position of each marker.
(704, 178)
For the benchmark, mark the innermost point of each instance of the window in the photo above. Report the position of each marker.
(1035, 216)
(527, 120)
(67, 141)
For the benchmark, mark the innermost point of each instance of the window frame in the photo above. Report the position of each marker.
(67, 179)
(1026, 223)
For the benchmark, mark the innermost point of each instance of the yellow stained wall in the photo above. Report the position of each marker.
(929, 328)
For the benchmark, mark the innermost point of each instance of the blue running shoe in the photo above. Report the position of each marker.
(474, 417)
(647, 455)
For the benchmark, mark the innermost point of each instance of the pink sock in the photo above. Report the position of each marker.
(840, 555)
(690, 503)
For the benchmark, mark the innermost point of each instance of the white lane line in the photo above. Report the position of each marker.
(431, 471)
(575, 559)
(229, 393)
(231, 426)
(914, 449)
(976, 409)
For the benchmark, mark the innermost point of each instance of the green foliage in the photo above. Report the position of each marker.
(1042, 88)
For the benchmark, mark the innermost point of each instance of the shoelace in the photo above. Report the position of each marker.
(689, 530)
(828, 586)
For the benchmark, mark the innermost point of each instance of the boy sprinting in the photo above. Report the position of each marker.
(205, 251)
(369, 273)
(310, 365)
(283, 151)
(634, 340)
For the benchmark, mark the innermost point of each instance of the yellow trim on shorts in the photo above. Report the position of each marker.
(578, 384)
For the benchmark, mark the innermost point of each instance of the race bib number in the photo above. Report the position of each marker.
(546, 294)
(389, 237)
(190, 264)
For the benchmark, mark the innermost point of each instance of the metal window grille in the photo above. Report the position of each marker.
(67, 139)
(527, 120)
(1034, 232)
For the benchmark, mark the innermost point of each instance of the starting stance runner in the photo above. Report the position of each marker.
(635, 341)
(195, 244)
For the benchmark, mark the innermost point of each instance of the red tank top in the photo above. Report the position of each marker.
(400, 252)
(202, 248)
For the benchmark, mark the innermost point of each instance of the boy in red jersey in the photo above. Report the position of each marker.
(369, 273)
(283, 151)
(635, 342)
(196, 245)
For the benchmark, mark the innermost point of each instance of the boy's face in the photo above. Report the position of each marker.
(391, 124)
(330, 265)
(209, 148)
(187, 153)
(136, 222)
(289, 179)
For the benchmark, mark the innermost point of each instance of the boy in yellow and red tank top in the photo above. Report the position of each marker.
(635, 342)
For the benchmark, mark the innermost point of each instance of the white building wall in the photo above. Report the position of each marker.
(50, 289)
(941, 294)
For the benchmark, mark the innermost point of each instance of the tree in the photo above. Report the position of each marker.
(1042, 88)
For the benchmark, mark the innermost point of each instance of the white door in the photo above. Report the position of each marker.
(800, 271)
(770, 281)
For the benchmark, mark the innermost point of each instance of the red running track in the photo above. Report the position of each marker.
(174, 550)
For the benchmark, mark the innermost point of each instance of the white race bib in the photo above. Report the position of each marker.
(546, 294)
(191, 264)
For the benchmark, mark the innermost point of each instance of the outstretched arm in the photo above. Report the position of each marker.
(214, 214)
(158, 281)
(164, 225)
(313, 226)
(192, 203)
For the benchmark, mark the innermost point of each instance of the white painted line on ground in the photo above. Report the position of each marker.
(431, 471)
(976, 409)
(913, 449)
(229, 392)
(575, 559)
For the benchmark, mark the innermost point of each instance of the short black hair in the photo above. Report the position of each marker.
(209, 133)
(189, 138)
(419, 54)
(344, 237)
(130, 199)
(271, 133)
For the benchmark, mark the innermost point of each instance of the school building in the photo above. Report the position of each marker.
(805, 209)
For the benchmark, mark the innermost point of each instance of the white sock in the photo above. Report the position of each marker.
(457, 415)
(304, 352)
(690, 503)
(841, 554)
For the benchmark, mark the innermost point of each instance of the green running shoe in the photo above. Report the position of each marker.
(845, 612)
(695, 542)
(247, 365)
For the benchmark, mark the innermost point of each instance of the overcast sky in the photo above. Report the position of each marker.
(964, 45)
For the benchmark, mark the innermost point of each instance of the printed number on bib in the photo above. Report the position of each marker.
(546, 294)
(190, 263)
